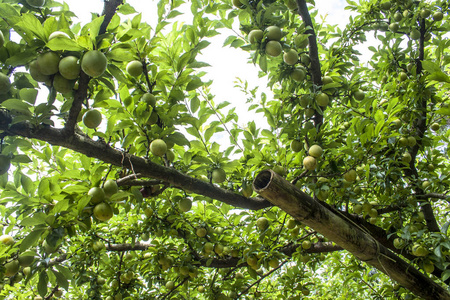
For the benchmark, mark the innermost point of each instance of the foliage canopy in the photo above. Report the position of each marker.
(113, 184)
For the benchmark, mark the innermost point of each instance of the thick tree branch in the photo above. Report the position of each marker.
(420, 128)
(346, 234)
(109, 155)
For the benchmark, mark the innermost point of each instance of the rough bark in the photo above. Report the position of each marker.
(104, 152)
(345, 233)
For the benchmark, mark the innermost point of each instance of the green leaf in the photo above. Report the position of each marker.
(445, 275)
(83, 202)
(42, 284)
(61, 280)
(31, 23)
(65, 271)
(430, 66)
(195, 83)
(17, 105)
(31, 239)
(36, 219)
(64, 44)
(439, 77)
(195, 104)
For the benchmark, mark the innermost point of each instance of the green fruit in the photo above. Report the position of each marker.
(48, 63)
(273, 48)
(218, 175)
(273, 33)
(350, 176)
(69, 67)
(309, 112)
(386, 5)
(415, 34)
(298, 74)
(296, 146)
(255, 36)
(406, 158)
(5, 84)
(290, 57)
(305, 59)
(26, 271)
(49, 248)
(36, 73)
(110, 187)
(201, 232)
(208, 247)
(306, 244)
(402, 76)
(301, 41)
(218, 248)
(309, 162)
(170, 285)
(247, 190)
(399, 243)
(357, 209)
(153, 118)
(425, 13)
(135, 68)
(201, 289)
(322, 99)
(412, 141)
(373, 213)
(94, 63)
(403, 141)
(426, 184)
(6, 240)
(58, 34)
(262, 223)
(148, 212)
(158, 147)
(26, 259)
(315, 151)
(92, 118)
(280, 170)
(419, 250)
(428, 267)
(11, 268)
(61, 84)
(435, 126)
(5, 163)
(438, 16)
(430, 167)
(273, 263)
(170, 155)
(398, 17)
(359, 95)
(185, 204)
(98, 246)
(149, 98)
(103, 211)
(327, 80)
(394, 27)
(252, 261)
(36, 3)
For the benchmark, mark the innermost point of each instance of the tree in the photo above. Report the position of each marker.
(115, 187)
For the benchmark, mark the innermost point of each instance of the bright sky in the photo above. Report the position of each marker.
(227, 63)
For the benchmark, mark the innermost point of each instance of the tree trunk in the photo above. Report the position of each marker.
(345, 233)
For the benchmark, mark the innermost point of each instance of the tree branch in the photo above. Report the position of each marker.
(109, 9)
(346, 234)
(104, 152)
(316, 73)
